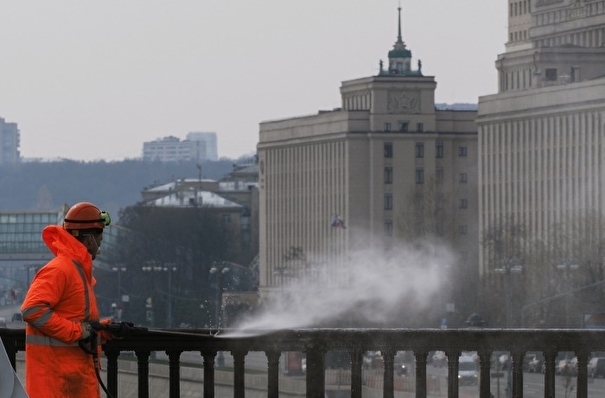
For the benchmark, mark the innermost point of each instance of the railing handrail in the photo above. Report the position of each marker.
(316, 342)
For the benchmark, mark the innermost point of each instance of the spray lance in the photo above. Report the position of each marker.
(117, 330)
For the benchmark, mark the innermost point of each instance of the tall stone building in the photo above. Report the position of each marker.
(354, 177)
(542, 136)
(9, 143)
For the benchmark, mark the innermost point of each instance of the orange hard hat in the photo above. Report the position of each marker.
(85, 215)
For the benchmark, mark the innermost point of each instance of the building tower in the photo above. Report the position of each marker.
(345, 179)
(9, 143)
(542, 136)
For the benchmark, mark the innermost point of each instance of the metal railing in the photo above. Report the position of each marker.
(316, 342)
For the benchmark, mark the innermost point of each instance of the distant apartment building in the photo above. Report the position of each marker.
(344, 179)
(542, 136)
(211, 144)
(197, 147)
(9, 143)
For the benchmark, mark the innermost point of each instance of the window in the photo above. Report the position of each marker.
(462, 151)
(388, 201)
(439, 228)
(419, 150)
(439, 149)
(463, 178)
(388, 150)
(550, 74)
(388, 227)
(439, 174)
(420, 127)
(462, 230)
(419, 175)
(387, 127)
(388, 175)
(403, 126)
(463, 204)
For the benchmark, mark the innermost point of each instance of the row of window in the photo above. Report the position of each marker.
(404, 127)
(519, 8)
(388, 228)
(419, 175)
(419, 150)
(388, 202)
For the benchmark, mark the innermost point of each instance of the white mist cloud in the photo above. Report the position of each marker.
(372, 285)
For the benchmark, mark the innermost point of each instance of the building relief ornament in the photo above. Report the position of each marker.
(542, 3)
(403, 101)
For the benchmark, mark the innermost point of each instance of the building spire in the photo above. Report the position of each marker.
(399, 39)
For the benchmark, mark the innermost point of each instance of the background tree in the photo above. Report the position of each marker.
(427, 217)
(507, 247)
(191, 240)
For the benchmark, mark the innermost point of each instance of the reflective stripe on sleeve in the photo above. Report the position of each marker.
(41, 320)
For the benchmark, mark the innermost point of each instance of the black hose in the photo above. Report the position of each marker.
(95, 358)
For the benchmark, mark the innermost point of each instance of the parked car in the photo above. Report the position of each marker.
(534, 365)
(567, 367)
(596, 367)
(468, 373)
(439, 359)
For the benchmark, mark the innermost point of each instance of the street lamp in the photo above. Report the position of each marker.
(117, 309)
(152, 268)
(566, 267)
(170, 268)
(219, 269)
(512, 266)
(509, 269)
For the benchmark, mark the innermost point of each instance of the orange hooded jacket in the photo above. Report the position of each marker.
(60, 297)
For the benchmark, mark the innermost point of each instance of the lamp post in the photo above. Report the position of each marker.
(153, 267)
(512, 266)
(119, 268)
(566, 267)
(170, 268)
(219, 269)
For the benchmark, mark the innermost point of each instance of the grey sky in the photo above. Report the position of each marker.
(92, 80)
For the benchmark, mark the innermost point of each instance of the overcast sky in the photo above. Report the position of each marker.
(89, 80)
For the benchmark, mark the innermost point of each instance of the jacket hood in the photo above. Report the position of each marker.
(61, 243)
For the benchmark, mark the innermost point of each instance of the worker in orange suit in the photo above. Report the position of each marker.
(61, 312)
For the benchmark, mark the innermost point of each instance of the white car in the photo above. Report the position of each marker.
(439, 359)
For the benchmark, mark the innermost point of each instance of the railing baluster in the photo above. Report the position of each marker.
(388, 357)
(549, 376)
(582, 382)
(517, 368)
(484, 376)
(239, 369)
(143, 372)
(421, 361)
(273, 373)
(453, 356)
(175, 373)
(208, 373)
(112, 372)
(316, 372)
(356, 369)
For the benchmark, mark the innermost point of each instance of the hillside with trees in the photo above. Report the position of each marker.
(110, 185)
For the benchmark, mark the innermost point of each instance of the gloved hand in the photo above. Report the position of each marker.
(88, 330)
(88, 338)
